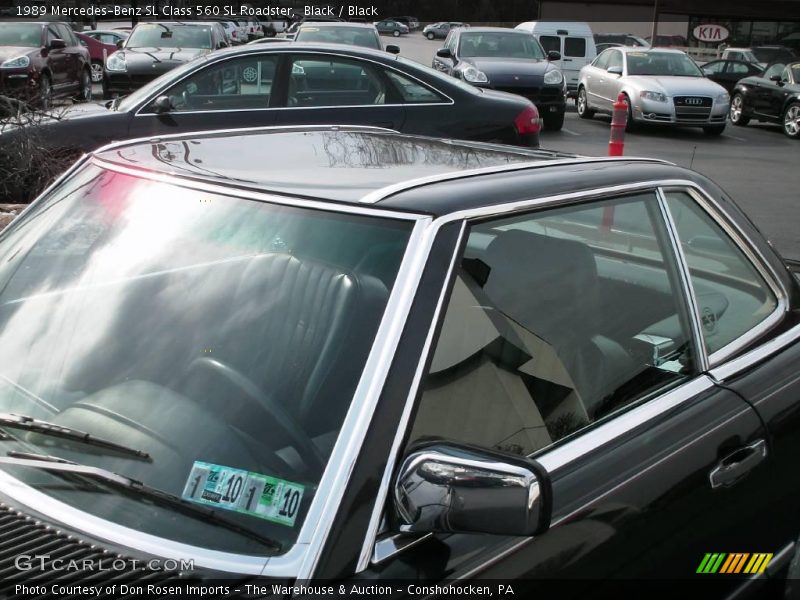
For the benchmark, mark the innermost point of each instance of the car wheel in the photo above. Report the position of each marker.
(97, 71)
(45, 92)
(553, 122)
(396, 33)
(630, 124)
(582, 102)
(249, 74)
(737, 111)
(85, 93)
(430, 35)
(713, 129)
(791, 120)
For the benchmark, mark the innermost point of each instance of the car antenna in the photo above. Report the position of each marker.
(691, 162)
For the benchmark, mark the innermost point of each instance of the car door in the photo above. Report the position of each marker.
(767, 90)
(572, 335)
(233, 93)
(336, 89)
(608, 84)
(74, 62)
(715, 71)
(592, 76)
(57, 59)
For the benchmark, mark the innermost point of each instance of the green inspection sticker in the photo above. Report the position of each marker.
(254, 494)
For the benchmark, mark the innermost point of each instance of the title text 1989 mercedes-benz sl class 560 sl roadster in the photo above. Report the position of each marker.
(346, 353)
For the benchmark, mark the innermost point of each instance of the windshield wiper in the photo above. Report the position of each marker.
(43, 427)
(153, 56)
(135, 488)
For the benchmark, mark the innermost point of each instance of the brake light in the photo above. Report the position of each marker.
(528, 121)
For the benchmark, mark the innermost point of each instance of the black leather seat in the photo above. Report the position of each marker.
(550, 286)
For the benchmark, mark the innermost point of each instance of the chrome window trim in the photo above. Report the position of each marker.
(686, 281)
(368, 549)
(285, 52)
(300, 560)
(756, 355)
(560, 455)
(751, 253)
(383, 193)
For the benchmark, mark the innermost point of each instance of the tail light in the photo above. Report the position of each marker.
(528, 121)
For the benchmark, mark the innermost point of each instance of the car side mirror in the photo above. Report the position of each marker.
(57, 44)
(444, 53)
(120, 44)
(162, 105)
(776, 78)
(221, 45)
(448, 487)
(614, 70)
(554, 55)
(392, 49)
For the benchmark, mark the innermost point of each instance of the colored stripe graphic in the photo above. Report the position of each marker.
(736, 562)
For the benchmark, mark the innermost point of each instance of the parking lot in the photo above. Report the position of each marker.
(756, 165)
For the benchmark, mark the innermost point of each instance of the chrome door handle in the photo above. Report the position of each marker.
(738, 464)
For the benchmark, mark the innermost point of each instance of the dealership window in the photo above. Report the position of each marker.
(556, 319)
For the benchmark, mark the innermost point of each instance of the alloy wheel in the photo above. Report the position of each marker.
(736, 108)
(791, 121)
(97, 72)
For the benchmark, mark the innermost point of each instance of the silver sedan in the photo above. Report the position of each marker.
(661, 87)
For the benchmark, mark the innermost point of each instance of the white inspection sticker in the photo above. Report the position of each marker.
(251, 493)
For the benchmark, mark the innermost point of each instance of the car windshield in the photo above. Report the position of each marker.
(662, 64)
(170, 36)
(355, 36)
(223, 337)
(500, 45)
(20, 34)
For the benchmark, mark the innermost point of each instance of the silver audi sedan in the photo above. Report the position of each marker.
(662, 86)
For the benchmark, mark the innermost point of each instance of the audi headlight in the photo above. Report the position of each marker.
(655, 96)
(116, 62)
(553, 77)
(473, 75)
(723, 98)
(20, 62)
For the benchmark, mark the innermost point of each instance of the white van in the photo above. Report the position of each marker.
(573, 39)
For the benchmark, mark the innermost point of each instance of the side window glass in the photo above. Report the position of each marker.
(333, 82)
(601, 62)
(66, 34)
(574, 47)
(738, 68)
(775, 69)
(411, 91)
(557, 319)
(241, 83)
(550, 42)
(714, 68)
(785, 75)
(614, 59)
(732, 297)
(52, 34)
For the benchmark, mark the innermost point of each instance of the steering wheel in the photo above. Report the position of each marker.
(303, 443)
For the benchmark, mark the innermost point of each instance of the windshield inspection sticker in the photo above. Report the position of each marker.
(254, 494)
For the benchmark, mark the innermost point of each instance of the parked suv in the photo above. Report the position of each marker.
(42, 60)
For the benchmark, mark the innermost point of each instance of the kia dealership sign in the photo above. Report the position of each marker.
(710, 33)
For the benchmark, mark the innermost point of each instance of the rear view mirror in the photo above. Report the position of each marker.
(554, 55)
(614, 70)
(444, 53)
(392, 49)
(447, 487)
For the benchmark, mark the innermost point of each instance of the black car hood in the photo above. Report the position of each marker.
(512, 71)
(7, 52)
(152, 60)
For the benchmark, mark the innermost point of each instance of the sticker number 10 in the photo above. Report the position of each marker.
(290, 501)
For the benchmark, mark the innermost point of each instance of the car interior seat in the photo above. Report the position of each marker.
(549, 285)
